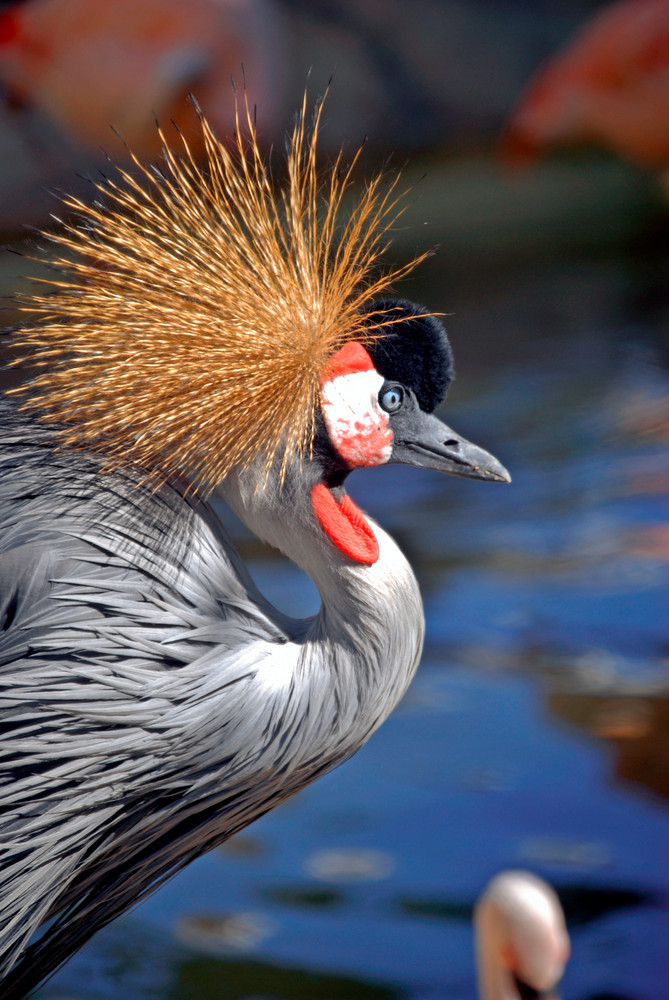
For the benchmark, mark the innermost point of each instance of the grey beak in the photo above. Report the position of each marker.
(422, 439)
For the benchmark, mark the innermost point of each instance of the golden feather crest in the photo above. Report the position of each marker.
(197, 307)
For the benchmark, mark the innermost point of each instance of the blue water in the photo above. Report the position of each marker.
(535, 732)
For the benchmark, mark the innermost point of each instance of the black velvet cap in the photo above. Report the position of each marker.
(415, 351)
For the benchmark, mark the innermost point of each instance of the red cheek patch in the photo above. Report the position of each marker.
(356, 424)
(345, 525)
(362, 442)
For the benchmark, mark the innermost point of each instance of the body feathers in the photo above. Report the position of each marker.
(152, 701)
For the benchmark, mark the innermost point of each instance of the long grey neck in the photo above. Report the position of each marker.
(370, 627)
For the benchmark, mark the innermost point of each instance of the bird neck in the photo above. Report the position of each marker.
(496, 981)
(371, 618)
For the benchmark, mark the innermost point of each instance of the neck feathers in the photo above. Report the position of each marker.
(368, 635)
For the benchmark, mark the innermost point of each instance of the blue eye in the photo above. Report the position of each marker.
(391, 398)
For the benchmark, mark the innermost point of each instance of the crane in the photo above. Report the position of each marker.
(207, 329)
(522, 943)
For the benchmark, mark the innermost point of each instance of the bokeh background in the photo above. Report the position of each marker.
(536, 733)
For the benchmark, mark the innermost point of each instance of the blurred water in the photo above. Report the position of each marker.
(536, 732)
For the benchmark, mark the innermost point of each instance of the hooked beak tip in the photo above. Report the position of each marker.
(498, 475)
(473, 462)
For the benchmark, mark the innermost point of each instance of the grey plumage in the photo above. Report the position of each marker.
(152, 702)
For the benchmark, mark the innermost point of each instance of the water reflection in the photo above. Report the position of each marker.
(224, 934)
(636, 728)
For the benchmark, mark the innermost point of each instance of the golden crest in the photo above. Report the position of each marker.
(197, 305)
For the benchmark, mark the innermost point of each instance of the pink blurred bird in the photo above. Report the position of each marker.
(522, 943)
(90, 65)
(72, 69)
(609, 86)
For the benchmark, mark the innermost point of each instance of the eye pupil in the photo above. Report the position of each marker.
(391, 399)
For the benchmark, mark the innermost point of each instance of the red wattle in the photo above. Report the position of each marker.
(345, 525)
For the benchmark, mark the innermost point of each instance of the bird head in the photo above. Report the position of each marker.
(376, 405)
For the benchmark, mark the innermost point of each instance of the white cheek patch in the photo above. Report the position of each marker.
(356, 424)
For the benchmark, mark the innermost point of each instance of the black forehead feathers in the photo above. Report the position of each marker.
(415, 351)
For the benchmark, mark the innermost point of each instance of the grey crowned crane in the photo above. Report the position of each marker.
(207, 329)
